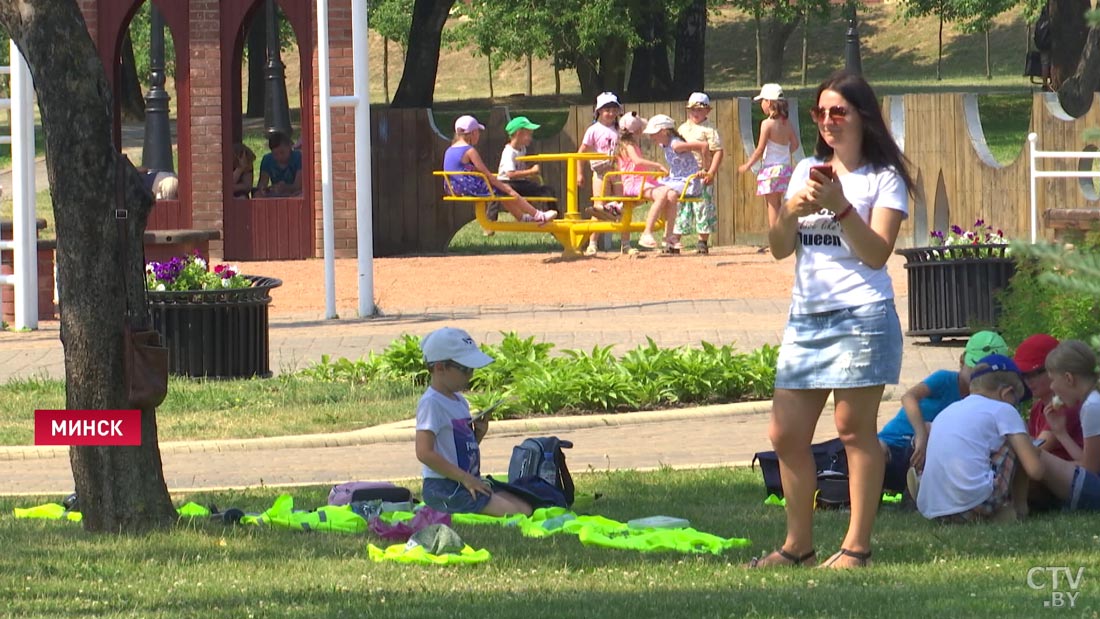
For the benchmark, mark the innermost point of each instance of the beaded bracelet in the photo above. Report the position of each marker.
(844, 213)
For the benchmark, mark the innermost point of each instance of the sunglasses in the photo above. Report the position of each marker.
(837, 112)
(460, 367)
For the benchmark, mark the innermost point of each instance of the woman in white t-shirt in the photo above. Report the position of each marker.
(843, 336)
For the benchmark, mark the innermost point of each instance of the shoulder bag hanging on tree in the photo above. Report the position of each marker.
(144, 359)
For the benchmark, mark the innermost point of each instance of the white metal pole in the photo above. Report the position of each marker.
(328, 225)
(1031, 138)
(22, 174)
(364, 209)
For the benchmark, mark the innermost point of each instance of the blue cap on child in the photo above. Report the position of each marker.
(1000, 363)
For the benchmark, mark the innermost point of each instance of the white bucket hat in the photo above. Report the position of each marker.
(659, 122)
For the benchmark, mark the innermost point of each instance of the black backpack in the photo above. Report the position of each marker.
(542, 458)
(831, 462)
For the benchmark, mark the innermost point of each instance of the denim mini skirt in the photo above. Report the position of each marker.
(850, 347)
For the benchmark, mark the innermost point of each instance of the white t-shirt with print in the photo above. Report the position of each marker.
(1090, 415)
(450, 420)
(958, 475)
(828, 275)
(508, 161)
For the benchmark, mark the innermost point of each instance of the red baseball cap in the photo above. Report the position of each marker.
(1032, 353)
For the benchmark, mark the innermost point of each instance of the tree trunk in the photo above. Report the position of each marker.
(417, 86)
(689, 61)
(988, 69)
(121, 489)
(650, 76)
(1076, 92)
(805, 47)
(939, 52)
(774, 35)
(131, 99)
(489, 63)
(1068, 31)
(759, 53)
(257, 59)
(530, 77)
(557, 77)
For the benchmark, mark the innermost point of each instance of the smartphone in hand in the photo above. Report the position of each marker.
(487, 411)
(825, 170)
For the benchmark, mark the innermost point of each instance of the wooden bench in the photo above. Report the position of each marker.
(1071, 221)
(161, 245)
(573, 234)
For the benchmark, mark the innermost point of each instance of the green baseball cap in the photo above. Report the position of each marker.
(520, 122)
(983, 344)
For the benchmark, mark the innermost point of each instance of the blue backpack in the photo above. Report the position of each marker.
(539, 464)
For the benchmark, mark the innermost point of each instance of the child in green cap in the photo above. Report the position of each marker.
(523, 178)
(905, 437)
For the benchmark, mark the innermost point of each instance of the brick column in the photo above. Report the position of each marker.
(206, 119)
(341, 76)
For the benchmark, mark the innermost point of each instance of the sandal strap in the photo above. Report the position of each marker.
(795, 560)
(862, 557)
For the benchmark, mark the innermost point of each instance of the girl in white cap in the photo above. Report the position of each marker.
(666, 194)
(602, 136)
(463, 157)
(778, 141)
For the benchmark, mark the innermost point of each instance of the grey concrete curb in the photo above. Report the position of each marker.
(404, 432)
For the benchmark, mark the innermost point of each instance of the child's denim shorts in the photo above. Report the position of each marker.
(850, 347)
(1084, 491)
(449, 496)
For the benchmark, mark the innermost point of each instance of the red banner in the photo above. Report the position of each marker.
(89, 427)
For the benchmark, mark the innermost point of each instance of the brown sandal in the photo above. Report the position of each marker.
(862, 559)
(791, 560)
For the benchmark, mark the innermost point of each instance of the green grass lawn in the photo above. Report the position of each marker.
(197, 409)
(207, 570)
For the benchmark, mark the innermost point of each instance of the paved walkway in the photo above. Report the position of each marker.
(708, 436)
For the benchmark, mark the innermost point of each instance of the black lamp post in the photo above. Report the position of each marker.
(852, 61)
(156, 152)
(277, 109)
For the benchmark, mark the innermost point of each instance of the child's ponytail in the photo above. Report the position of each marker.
(779, 108)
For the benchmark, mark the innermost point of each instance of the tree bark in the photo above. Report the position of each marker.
(257, 59)
(773, 42)
(131, 99)
(689, 61)
(417, 86)
(121, 489)
(650, 76)
(1068, 30)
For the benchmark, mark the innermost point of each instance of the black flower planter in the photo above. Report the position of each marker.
(216, 333)
(952, 289)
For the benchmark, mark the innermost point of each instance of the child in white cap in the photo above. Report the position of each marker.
(698, 129)
(666, 194)
(447, 438)
(602, 136)
(777, 143)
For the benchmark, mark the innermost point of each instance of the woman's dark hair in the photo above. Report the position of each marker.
(779, 107)
(878, 146)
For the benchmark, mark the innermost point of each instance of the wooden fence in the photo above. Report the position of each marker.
(957, 179)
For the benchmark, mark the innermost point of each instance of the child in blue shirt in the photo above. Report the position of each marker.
(905, 437)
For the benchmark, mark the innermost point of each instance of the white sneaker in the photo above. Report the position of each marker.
(591, 250)
(912, 482)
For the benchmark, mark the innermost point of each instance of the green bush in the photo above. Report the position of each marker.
(526, 380)
(1056, 290)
